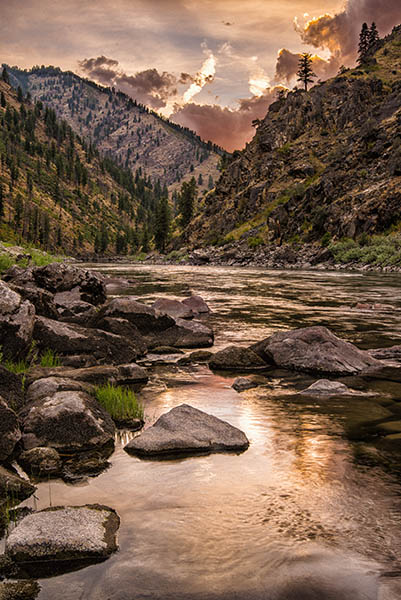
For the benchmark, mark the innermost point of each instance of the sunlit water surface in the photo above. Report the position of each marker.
(296, 516)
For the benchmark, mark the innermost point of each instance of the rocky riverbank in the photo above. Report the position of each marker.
(53, 426)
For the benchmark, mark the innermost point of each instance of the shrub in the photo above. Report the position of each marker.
(326, 238)
(120, 402)
(254, 242)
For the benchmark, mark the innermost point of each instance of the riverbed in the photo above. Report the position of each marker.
(302, 514)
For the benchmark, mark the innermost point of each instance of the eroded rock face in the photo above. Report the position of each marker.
(187, 430)
(17, 319)
(234, 358)
(71, 339)
(313, 350)
(67, 421)
(65, 534)
(173, 308)
(10, 432)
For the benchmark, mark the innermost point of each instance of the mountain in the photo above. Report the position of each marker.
(57, 191)
(323, 165)
(134, 136)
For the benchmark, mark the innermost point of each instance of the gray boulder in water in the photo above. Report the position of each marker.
(66, 533)
(187, 430)
(313, 350)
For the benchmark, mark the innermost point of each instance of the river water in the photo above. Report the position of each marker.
(302, 514)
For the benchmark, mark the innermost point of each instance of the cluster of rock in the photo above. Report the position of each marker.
(50, 420)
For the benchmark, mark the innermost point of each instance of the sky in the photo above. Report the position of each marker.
(211, 65)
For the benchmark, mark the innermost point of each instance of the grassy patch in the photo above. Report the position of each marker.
(18, 367)
(50, 359)
(120, 402)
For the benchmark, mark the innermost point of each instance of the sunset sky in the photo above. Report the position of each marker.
(211, 65)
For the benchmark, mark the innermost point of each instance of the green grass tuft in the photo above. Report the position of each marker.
(50, 359)
(120, 402)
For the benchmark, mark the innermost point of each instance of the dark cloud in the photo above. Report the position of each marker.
(231, 129)
(339, 33)
(186, 78)
(149, 87)
(287, 66)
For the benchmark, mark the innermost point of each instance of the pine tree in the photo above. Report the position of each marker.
(363, 46)
(162, 224)
(373, 35)
(5, 76)
(19, 209)
(186, 201)
(305, 72)
(20, 95)
(3, 100)
(200, 179)
(210, 184)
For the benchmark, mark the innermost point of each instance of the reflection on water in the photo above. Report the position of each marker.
(296, 516)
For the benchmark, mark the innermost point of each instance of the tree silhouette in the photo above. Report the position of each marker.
(305, 72)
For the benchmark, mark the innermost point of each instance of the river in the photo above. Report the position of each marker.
(302, 514)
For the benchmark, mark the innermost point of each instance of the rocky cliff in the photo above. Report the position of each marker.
(322, 164)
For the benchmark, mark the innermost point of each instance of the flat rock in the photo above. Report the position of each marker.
(67, 339)
(187, 430)
(67, 421)
(10, 432)
(173, 308)
(68, 533)
(313, 350)
(47, 386)
(390, 371)
(196, 304)
(11, 485)
(235, 358)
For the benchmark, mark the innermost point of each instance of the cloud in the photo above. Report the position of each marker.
(339, 33)
(230, 128)
(149, 86)
(205, 75)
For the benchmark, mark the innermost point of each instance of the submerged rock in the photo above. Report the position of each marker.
(196, 304)
(69, 533)
(241, 384)
(10, 432)
(325, 387)
(234, 358)
(187, 430)
(41, 461)
(67, 421)
(313, 350)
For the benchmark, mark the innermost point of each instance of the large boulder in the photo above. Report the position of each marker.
(187, 430)
(43, 462)
(10, 432)
(64, 533)
(17, 317)
(41, 299)
(174, 308)
(145, 318)
(58, 379)
(62, 277)
(196, 304)
(235, 358)
(13, 487)
(70, 421)
(71, 309)
(313, 350)
(126, 329)
(183, 334)
(11, 388)
(71, 339)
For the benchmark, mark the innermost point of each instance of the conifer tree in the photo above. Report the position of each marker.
(5, 76)
(186, 201)
(162, 224)
(373, 35)
(305, 72)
